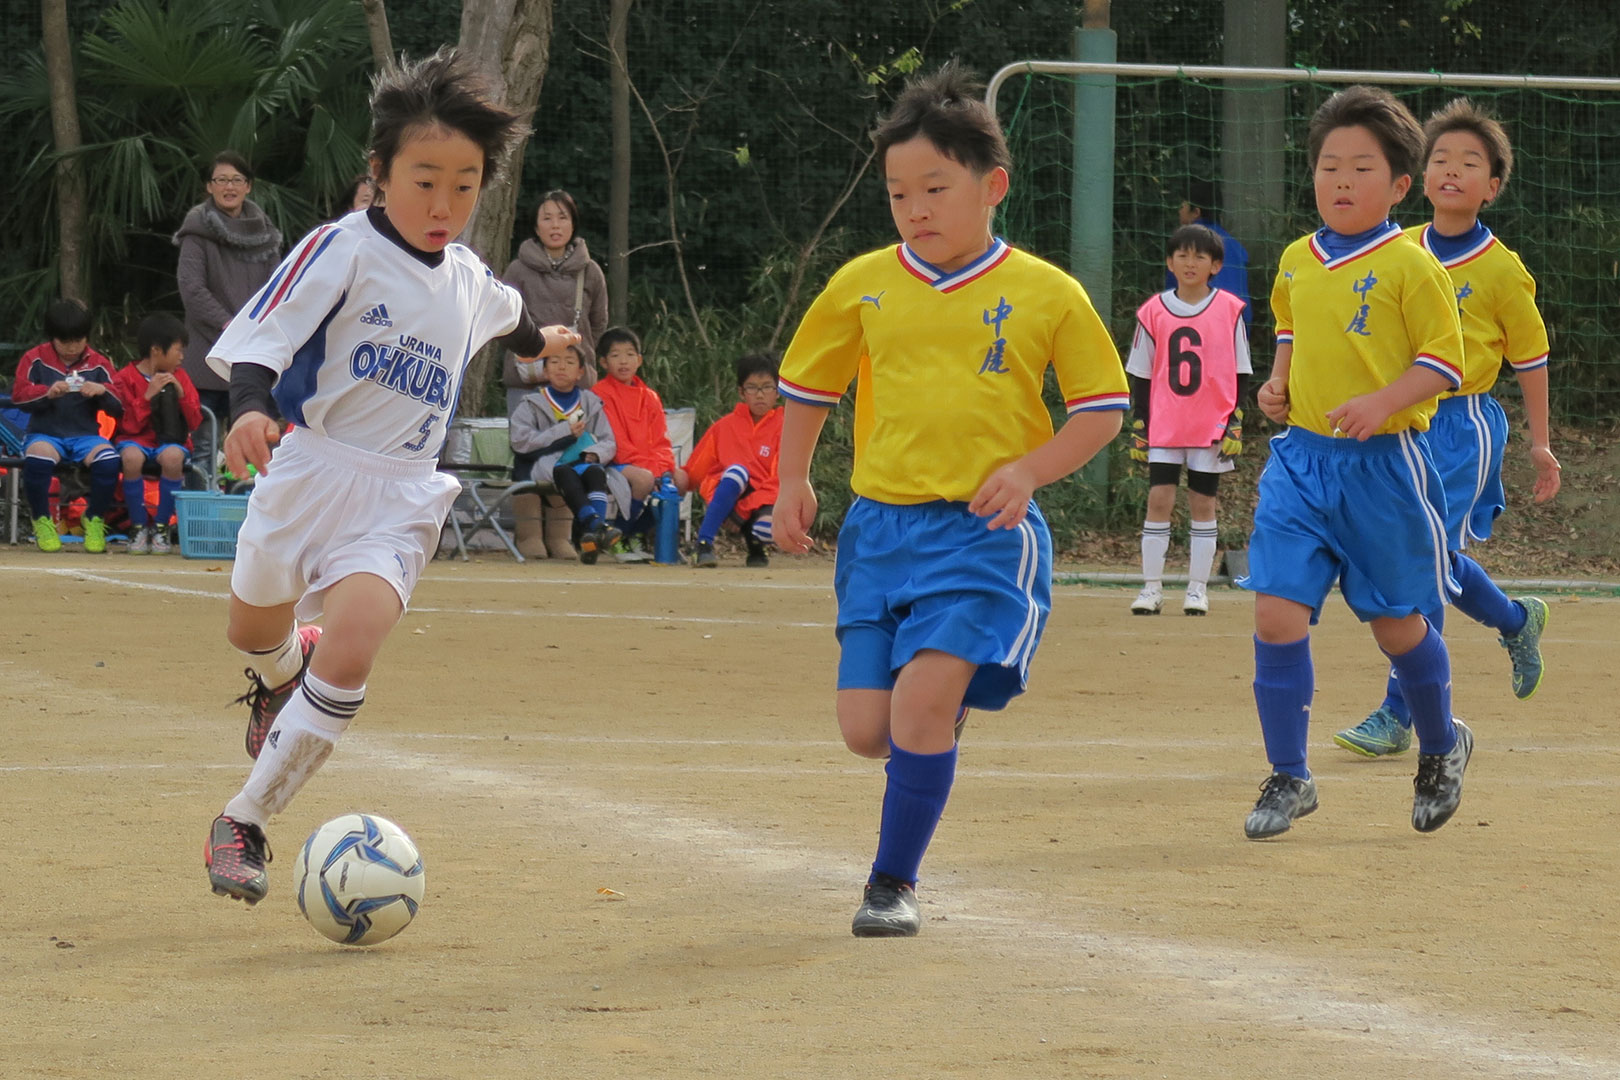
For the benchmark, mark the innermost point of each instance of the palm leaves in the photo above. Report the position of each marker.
(163, 86)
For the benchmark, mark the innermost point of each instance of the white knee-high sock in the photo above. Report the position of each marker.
(299, 743)
(1203, 552)
(1155, 545)
(278, 664)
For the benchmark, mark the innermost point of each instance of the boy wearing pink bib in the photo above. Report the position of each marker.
(1187, 365)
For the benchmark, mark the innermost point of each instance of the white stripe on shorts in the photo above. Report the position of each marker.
(1484, 452)
(1437, 525)
(1023, 646)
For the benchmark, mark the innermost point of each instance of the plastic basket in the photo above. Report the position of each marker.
(208, 523)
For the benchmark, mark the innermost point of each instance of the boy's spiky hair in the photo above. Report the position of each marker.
(947, 108)
(757, 363)
(1461, 114)
(1381, 113)
(1199, 238)
(442, 90)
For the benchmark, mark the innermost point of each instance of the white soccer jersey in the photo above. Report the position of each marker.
(369, 342)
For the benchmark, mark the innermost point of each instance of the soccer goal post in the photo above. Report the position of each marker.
(1234, 138)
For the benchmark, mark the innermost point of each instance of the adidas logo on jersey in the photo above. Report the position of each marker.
(377, 316)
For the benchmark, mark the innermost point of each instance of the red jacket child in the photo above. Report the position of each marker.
(135, 425)
(637, 415)
(739, 439)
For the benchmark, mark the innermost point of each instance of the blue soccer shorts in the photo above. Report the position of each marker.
(152, 452)
(1467, 439)
(933, 576)
(1367, 515)
(75, 449)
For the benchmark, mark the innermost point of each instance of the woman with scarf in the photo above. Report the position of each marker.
(228, 249)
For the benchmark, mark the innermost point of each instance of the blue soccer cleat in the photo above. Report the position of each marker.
(1524, 648)
(1380, 735)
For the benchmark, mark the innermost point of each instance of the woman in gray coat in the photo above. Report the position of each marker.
(228, 249)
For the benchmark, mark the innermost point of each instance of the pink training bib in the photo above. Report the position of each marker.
(1194, 383)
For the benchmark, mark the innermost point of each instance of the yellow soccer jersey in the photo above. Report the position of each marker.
(1496, 299)
(1359, 320)
(949, 365)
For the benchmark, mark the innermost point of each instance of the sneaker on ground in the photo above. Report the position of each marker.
(140, 541)
(265, 704)
(1149, 600)
(594, 541)
(888, 909)
(758, 557)
(95, 535)
(1524, 648)
(235, 855)
(45, 535)
(705, 554)
(1196, 601)
(1381, 734)
(160, 541)
(1437, 788)
(1283, 800)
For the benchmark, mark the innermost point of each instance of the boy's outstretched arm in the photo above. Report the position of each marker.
(1533, 385)
(1007, 493)
(796, 501)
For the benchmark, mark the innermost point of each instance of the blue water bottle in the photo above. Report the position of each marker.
(668, 511)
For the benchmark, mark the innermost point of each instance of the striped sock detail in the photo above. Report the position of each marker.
(762, 531)
(336, 702)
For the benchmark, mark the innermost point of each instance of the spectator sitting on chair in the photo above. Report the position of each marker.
(565, 424)
(734, 464)
(161, 410)
(63, 385)
(636, 412)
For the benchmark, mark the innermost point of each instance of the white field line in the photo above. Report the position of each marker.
(1210, 981)
(697, 620)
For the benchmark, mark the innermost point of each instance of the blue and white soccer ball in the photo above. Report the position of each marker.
(359, 879)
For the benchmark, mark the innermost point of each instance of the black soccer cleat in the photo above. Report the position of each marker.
(888, 909)
(265, 704)
(1283, 800)
(1437, 788)
(236, 854)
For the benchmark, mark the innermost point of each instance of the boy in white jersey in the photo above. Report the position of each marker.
(363, 335)
(1469, 159)
(1187, 365)
(944, 561)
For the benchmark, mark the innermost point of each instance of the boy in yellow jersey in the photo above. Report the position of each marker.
(1469, 159)
(1367, 338)
(944, 562)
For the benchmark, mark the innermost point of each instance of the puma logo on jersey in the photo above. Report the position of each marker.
(377, 316)
(875, 301)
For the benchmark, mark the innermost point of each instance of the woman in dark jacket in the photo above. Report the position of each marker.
(228, 249)
(561, 284)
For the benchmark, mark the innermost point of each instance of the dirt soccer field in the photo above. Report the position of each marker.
(546, 732)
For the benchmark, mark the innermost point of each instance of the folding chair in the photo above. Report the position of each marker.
(479, 452)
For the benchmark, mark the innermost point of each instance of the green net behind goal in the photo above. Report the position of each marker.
(1174, 137)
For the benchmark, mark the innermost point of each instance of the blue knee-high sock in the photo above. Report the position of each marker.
(1482, 601)
(722, 502)
(1284, 682)
(1425, 674)
(165, 508)
(135, 500)
(915, 798)
(1394, 700)
(37, 473)
(104, 472)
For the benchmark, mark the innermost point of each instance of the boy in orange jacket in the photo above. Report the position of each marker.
(637, 415)
(734, 464)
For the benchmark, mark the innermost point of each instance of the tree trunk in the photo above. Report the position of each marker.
(619, 187)
(382, 45)
(510, 41)
(70, 204)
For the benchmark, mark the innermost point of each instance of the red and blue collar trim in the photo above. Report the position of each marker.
(1386, 235)
(951, 280)
(1468, 255)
